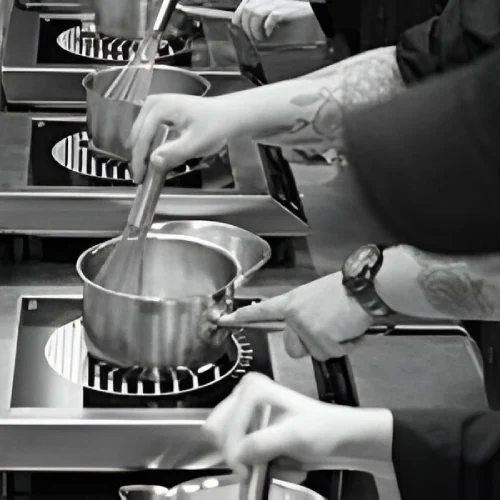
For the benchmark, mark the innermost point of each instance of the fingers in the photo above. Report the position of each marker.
(239, 12)
(293, 344)
(251, 16)
(267, 444)
(172, 153)
(230, 422)
(270, 23)
(151, 116)
(267, 310)
(288, 474)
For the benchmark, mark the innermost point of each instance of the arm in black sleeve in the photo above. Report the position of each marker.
(465, 30)
(428, 162)
(450, 455)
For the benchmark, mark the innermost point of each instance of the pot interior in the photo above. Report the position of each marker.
(165, 80)
(173, 268)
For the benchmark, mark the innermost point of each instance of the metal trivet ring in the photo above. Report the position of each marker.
(85, 42)
(73, 153)
(67, 355)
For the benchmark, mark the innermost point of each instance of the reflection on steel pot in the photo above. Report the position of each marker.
(142, 492)
(197, 264)
(127, 19)
(109, 121)
(184, 280)
(251, 251)
(216, 488)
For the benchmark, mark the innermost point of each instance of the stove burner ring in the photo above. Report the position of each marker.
(85, 42)
(73, 153)
(67, 355)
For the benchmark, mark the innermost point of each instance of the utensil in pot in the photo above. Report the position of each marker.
(256, 485)
(134, 81)
(167, 326)
(109, 122)
(123, 270)
(205, 260)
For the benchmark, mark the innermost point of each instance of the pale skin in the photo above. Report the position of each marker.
(260, 19)
(322, 320)
(303, 113)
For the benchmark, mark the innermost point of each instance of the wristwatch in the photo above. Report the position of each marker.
(358, 275)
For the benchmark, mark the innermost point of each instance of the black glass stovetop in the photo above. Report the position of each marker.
(50, 52)
(44, 170)
(42, 316)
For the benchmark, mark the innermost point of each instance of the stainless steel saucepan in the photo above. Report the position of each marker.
(127, 19)
(186, 280)
(109, 121)
(215, 488)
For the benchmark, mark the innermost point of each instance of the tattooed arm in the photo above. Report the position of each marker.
(307, 112)
(421, 284)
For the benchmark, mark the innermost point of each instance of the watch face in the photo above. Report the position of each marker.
(362, 262)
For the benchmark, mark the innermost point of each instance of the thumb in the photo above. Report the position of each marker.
(267, 444)
(267, 310)
(270, 23)
(170, 155)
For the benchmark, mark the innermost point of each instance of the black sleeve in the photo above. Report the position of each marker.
(428, 162)
(465, 30)
(452, 455)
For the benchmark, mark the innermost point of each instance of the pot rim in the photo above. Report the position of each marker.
(245, 273)
(157, 300)
(232, 480)
(162, 67)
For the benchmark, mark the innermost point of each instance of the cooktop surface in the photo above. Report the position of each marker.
(62, 155)
(54, 370)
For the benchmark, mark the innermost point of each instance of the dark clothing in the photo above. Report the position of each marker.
(431, 36)
(447, 455)
(464, 31)
(432, 171)
(367, 24)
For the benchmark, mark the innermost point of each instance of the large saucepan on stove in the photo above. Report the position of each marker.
(128, 19)
(215, 488)
(109, 121)
(191, 270)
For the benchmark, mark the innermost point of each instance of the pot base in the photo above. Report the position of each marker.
(67, 353)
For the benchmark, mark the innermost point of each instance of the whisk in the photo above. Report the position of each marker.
(134, 81)
(123, 270)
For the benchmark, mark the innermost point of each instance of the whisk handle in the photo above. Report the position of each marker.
(148, 193)
(164, 14)
(146, 199)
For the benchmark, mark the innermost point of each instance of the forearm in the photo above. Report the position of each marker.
(308, 111)
(422, 284)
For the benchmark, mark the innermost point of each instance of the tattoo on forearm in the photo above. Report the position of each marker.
(347, 85)
(451, 288)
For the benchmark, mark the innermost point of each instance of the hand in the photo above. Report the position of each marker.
(259, 18)
(198, 128)
(319, 317)
(304, 433)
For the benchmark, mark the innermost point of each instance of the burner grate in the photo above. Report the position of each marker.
(85, 42)
(74, 153)
(67, 354)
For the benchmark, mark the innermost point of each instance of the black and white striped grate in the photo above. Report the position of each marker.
(84, 41)
(66, 353)
(74, 154)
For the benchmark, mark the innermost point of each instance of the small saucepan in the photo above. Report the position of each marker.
(187, 280)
